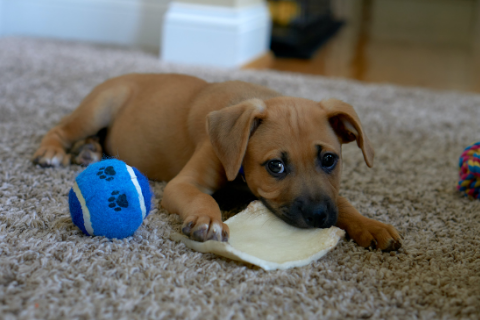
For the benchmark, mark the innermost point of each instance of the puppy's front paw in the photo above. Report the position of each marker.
(203, 228)
(51, 157)
(375, 234)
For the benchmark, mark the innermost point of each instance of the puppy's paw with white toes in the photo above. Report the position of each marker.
(51, 157)
(204, 228)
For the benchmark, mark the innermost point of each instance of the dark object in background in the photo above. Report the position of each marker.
(301, 26)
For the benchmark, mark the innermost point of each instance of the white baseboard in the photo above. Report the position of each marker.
(124, 22)
(215, 36)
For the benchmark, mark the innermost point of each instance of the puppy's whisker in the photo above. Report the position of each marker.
(270, 219)
(344, 206)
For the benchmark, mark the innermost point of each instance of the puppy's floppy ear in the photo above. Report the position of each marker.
(229, 130)
(346, 124)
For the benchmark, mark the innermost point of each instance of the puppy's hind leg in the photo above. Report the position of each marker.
(95, 112)
(86, 151)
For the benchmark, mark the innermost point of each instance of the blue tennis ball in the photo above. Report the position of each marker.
(110, 198)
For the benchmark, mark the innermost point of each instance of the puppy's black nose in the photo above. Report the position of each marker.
(315, 216)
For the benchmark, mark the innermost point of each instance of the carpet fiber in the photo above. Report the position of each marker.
(49, 269)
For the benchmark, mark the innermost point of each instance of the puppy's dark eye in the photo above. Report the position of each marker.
(329, 161)
(275, 167)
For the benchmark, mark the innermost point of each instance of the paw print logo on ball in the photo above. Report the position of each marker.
(106, 173)
(117, 202)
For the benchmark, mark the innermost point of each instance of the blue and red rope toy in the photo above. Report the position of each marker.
(469, 177)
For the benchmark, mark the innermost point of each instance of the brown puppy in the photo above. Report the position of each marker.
(199, 135)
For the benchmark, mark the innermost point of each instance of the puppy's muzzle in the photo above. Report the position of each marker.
(308, 213)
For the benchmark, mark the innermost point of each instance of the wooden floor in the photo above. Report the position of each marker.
(432, 44)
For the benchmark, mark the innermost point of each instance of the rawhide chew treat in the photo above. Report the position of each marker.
(258, 237)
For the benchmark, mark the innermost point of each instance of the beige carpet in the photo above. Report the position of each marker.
(50, 270)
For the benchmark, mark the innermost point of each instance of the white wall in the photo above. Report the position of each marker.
(1, 17)
(125, 22)
(223, 3)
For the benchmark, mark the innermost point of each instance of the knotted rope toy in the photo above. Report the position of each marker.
(469, 181)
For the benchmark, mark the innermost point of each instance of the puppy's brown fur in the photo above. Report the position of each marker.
(198, 135)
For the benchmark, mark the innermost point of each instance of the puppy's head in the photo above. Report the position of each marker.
(290, 149)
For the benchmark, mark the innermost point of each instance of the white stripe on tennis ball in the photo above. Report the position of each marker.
(139, 190)
(86, 214)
